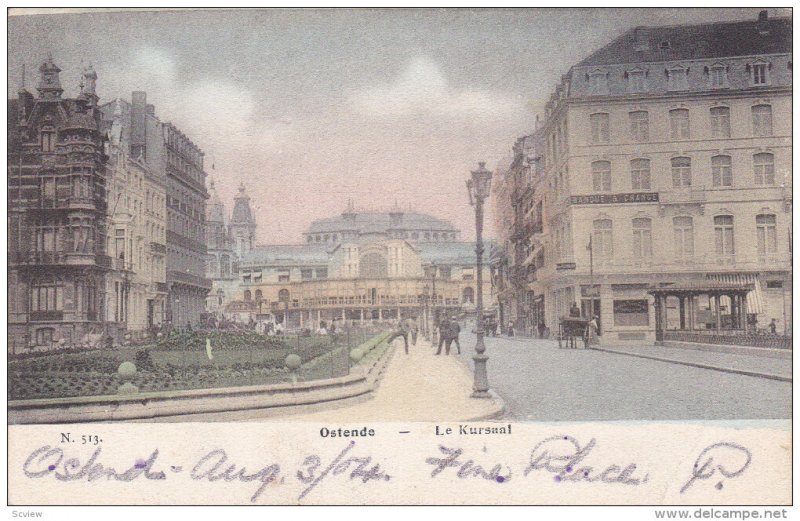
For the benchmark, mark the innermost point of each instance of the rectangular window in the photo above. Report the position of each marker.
(642, 238)
(322, 273)
(636, 81)
(631, 312)
(764, 169)
(600, 128)
(721, 171)
(598, 83)
(681, 172)
(467, 273)
(283, 275)
(601, 176)
(677, 79)
(719, 77)
(48, 141)
(762, 120)
(723, 234)
(640, 174)
(720, 122)
(767, 235)
(759, 73)
(306, 274)
(684, 236)
(640, 125)
(679, 124)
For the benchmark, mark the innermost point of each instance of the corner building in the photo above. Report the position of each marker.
(667, 161)
(57, 260)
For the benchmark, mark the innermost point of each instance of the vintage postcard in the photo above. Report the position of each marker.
(401, 257)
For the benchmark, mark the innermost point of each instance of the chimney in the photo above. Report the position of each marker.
(641, 39)
(138, 124)
(763, 23)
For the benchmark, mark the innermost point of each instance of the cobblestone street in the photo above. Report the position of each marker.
(540, 382)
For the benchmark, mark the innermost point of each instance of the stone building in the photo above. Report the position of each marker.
(57, 207)
(186, 229)
(360, 267)
(518, 227)
(228, 241)
(667, 163)
(136, 289)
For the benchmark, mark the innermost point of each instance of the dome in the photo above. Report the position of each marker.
(380, 222)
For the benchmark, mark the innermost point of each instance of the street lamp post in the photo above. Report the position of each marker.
(435, 317)
(478, 188)
(426, 295)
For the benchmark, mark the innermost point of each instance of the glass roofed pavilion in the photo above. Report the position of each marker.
(358, 267)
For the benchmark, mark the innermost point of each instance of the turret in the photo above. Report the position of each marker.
(49, 81)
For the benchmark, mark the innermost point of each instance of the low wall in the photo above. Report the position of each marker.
(362, 379)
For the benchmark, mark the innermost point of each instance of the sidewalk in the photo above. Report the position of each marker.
(414, 387)
(772, 368)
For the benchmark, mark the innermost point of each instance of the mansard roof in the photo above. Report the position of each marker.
(685, 42)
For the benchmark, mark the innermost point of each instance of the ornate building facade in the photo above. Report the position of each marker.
(358, 267)
(56, 215)
(667, 162)
(136, 289)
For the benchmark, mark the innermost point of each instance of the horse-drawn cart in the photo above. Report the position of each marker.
(570, 329)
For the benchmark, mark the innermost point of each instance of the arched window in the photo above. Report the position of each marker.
(764, 168)
(224, 266)
(283, 295)
(721, 171)
(679, 124)
(723, 234)
(373, 266)
(681, 172)
(640, 174)
(247, 295)
(720, 122)
(762, 120)
(468, 295)
(259, 295)
(601, 176)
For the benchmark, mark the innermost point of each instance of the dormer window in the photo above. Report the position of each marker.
(717, 76)
(598, 82)
(677, 78)
(759, 73)
(636, 79)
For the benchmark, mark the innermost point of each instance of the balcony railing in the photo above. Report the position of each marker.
(187, 278)
(46, 316)
(156, 247)
(730, 338)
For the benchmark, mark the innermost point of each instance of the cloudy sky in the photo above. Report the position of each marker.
(310, 108)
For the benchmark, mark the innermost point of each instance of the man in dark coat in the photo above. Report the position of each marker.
(444, 334)
(455, 329)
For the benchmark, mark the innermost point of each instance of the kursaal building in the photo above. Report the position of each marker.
(357, 267)
(657, 191)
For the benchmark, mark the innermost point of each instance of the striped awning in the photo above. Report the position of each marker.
(755, 299)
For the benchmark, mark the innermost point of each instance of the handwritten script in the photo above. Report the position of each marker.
(562, 458)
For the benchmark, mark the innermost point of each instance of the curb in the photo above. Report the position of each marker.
(744, 372)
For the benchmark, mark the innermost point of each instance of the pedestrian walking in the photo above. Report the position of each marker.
(575, 311)
(773, 327)
(444, 333)
(511, 329)
(592, 329)
(455, 329)
(402, 329)
(413, 328)
(541, 329)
